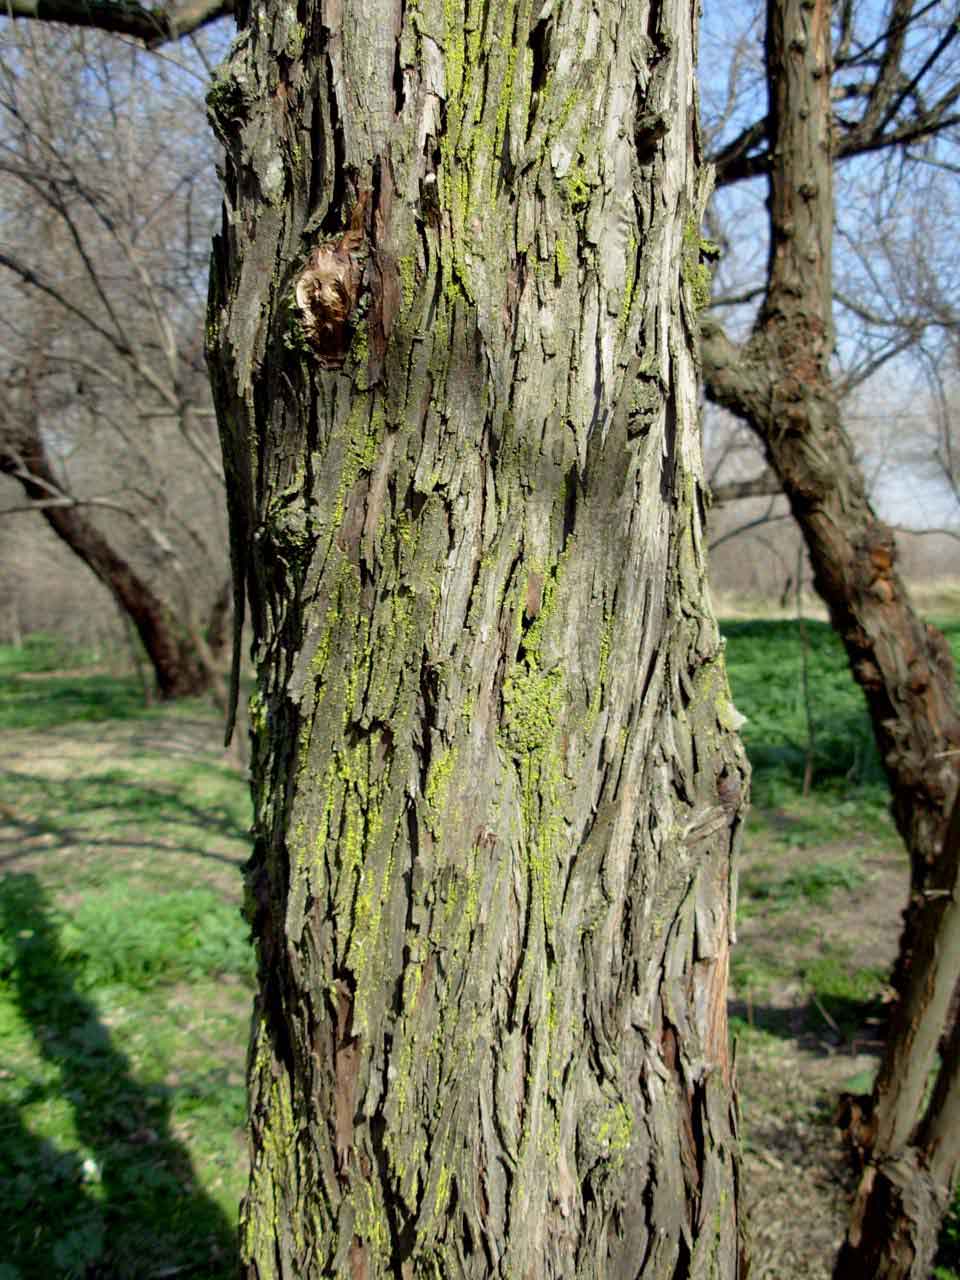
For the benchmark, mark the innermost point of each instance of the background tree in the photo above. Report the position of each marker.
(779, 381)
(107, 425)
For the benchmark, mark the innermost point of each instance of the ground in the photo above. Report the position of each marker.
(125, 990)
(121, 1088)
(806, 1013)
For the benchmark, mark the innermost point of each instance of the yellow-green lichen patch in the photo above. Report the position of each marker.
(532, 699)
(435, 793)
(613, 1133)
(603, 662)
(360, 355)
(696, 272)
(577, 187)
(294, 334)
(561, 257)
(370, 1223)
(506, 88)
(275, 1166)
(408, 280)
(629, 288)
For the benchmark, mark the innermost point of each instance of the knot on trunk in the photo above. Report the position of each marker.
(327, 289)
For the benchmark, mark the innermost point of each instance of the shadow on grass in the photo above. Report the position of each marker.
(147, 806)
(823, 1024)
(30, 701)
(125, 1201)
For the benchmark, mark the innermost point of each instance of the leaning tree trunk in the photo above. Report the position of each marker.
(779, 382)
(179, 666)
(495, 771)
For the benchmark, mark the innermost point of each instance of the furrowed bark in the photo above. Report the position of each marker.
(779, 382)
(495, 775)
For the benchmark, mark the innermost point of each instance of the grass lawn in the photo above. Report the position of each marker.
(126, 979)
(126, 975)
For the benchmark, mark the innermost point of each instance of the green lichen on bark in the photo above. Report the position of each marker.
(469, 562)
(695, 269)
(532, 700)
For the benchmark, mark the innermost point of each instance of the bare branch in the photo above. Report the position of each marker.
(31, 278)
(767, 518)
(940, 529)
(737, 299)
(764, 485)
(125, 17)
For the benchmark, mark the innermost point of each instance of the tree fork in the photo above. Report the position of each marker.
(496, 778)
(779, 383)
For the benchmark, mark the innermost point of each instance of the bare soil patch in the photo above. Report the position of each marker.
(797, 1047)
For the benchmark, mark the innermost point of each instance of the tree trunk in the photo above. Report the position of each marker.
(779, 382)
(907, 1185)
(178, 666)
(495, 771)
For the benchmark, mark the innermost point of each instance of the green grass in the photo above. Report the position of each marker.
(126, 978)
(33, 695)
(41, 652)
(102, 1087)
(125, 971)
(765, 665)
(948, 1258)
(763, 889)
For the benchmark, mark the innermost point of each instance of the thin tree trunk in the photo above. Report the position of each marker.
(908, 1184)
(178, 667)
(495, 775)
(218, 625)
(779, 382)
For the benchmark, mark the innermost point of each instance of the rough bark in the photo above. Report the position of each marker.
(907, 1185)
(779, 382)
(495, 775)
(178, 666)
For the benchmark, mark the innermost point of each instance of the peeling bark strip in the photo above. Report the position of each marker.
(495, 775)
